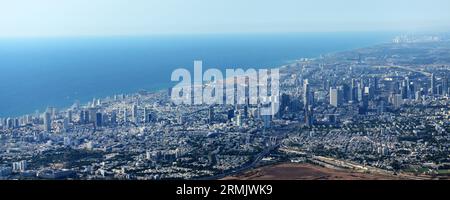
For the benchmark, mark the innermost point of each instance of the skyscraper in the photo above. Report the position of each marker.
(408, 88)
(134, 113)
(346, 93)
(69, 115)
(147, 115)
(98, 119)
(433, 85)
(125, 116)
(334, 97)
(113, 118)
(306, 94)
(445, 86)
(309, 116)
(47, 121)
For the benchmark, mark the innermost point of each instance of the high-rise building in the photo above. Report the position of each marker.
(9, 123)
(309, 116)
(346, 93)
(307, 96)
(334, 97)
(405, 89)
(99, 119)
(364, 105)
(147, 115)
(360, 91)
(69, 115)
(134, 113)
(92, 115)
(408, 88)
(125, 116)
(113, 118)
(433, 85)
(84, 117)
(66, 124)
(445, 89)
(354, 92)
(47, 121)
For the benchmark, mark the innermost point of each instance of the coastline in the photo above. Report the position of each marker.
(64, 98)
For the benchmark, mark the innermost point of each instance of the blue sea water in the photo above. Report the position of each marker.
(39, 72)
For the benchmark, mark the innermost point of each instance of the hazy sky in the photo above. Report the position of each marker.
(139, 17)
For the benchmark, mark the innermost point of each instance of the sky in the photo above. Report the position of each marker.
(35, 18)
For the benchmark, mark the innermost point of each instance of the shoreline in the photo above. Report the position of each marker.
(281, 63)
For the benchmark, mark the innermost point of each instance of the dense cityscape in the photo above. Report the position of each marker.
(383, 109)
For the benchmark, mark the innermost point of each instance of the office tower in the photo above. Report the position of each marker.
(364, 105)
(86, 118)
(47, 121)
(98, 119)
(433, 85)
(354, 92)
(404, 90)
(412, 90)
(445, 86)
(334, 97)
(370, 92)
(360, 91)
(92, 115)
(66, 124)
(408, 88)
(69, 115)
(306, 93)
(83, 117)
(125, 115)
(134, 113)
(16, 123)
(114, 118)
(346, 93)
(147, 116)
(9, 123)
(309, 116)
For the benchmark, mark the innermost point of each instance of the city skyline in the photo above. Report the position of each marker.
(225, 90)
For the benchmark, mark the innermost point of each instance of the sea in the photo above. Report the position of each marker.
(36, 73)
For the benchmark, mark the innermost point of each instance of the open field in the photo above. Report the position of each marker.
(295, 171)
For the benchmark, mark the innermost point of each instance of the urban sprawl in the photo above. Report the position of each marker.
(382, 109)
